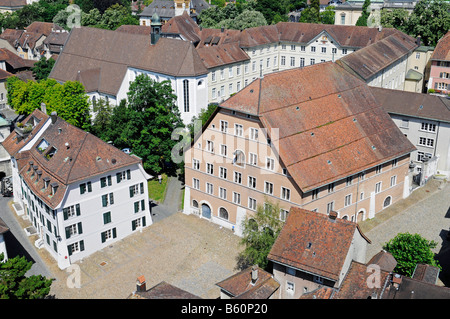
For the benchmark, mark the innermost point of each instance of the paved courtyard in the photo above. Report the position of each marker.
(186, 251)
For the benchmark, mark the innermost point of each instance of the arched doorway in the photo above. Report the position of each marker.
(206, 211)
(360, 216)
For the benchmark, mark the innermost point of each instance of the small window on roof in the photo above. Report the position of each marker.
(50, 153)
(43, 145)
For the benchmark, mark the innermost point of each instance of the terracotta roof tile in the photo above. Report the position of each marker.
(325, 132)
(442, 49)
(164, 290)
(314, 242)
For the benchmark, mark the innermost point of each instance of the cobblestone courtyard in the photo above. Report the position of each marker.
(186, 251)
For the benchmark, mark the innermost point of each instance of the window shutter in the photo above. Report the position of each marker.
(133, 225)
(128, 174)
(77, 207)
(111, 198)
(80, 229)
(81, 245)
(89, 185)
(119, 177)
(143, 221)
(104, 200)
(69, 250)
(114, 232)
(103, 237)
(142, 204)
(109, 180)
(102, 182)
(131, 191)
(142, 188)
(82, 189)
(67, 232)
(65, 213)
(136, 207)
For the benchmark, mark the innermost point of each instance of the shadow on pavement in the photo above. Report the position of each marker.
(443, 256)
(15, 248)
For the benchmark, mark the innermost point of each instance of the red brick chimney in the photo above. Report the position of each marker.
(140, 284)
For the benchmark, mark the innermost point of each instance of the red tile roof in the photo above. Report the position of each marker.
(325, 132)
(315, 243)
(442, 49)
(240, 284)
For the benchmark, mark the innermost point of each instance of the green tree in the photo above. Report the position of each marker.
(15, 285)
(270, 9)
(327, 16)
(259, 234)
(362, 20)
(397, 18)
(430, 20)
(42, 68)
(152, 116)
(102, 119)
(117, 15)
(310, 15)
(410, 250)
(248, 19)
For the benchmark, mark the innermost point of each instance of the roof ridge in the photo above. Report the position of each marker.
(76, 156)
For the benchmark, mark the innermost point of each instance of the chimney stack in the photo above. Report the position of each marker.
(254, 274)
(333, 215)
(44, 107)
(140, 284)
(53, 117)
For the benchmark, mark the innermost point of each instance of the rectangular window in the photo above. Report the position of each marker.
(378, 169)
(238, 177)
(315, 194)
(213, 93)
(238, 130)
(393, 180)
(222, 75)
(223, 172)
(85, 187)
(331, 188)
(330, 207)
(238, 86)
(223, 150)
(283, 214)
(71, 211)
(252, 203)
(348, 200)
(236, 198)
(270, 163)
(292, 47)
(222, 193)
(313, 49)
(223, 126)
(209, 168)
(253, 133)
(195, 183)
(210, 146)
(302, 62)
(252, 159)
(394, 163)
(283, 60)
(209, 188)
(285, 193)
(428, 127)
(303, 48)
(268, 188)
(213, 76)
(344, 51)
(334, 50)
(238, 70)
(292, 61)
(230, 72)
(377, 187)
(230, 88)
(426, 141)
(186, 95)
(106, 218)
(312, 61)
(195, 164)
(252, 182)
(109, 234)
(324, 50)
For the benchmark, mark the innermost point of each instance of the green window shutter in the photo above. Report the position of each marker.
(77, 208)
(102, 182)
(131, 191)
(67, 232)
(80, 229)
(104, 200)
(89, 186)
(106, 218)
(136, 207)
(142, 204)
(143, 221)
(141, 186)
(111, 198)
(81, 245)
(114, 232)
(65, 213)
(128, 174)
(109, 180)
(69, 250)
(133, 225)
(82, 189)
(103, 237)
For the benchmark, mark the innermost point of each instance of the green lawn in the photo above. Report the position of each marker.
(157, 191)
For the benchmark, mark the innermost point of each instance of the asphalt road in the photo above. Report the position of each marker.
(17, 242)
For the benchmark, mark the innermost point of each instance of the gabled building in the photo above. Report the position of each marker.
(440, 66)
(312, 137)
(105, 62)
(80, 193)
(425, 120)
(314, 250)
(13, 5)
(167, 9)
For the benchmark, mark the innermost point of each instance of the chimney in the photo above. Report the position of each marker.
(222, 29)
(44, 107)
(418, 40)
(140, 284)
(333, 215)
(53, 116)
(396, 281)
(254, 274)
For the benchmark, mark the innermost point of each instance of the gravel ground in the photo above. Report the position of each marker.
(186, 251)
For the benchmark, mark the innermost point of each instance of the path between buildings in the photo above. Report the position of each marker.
(172, 200)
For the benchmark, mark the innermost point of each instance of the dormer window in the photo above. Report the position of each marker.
(43, 145)
(50, 153)
(54, 188)
(46, 182)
